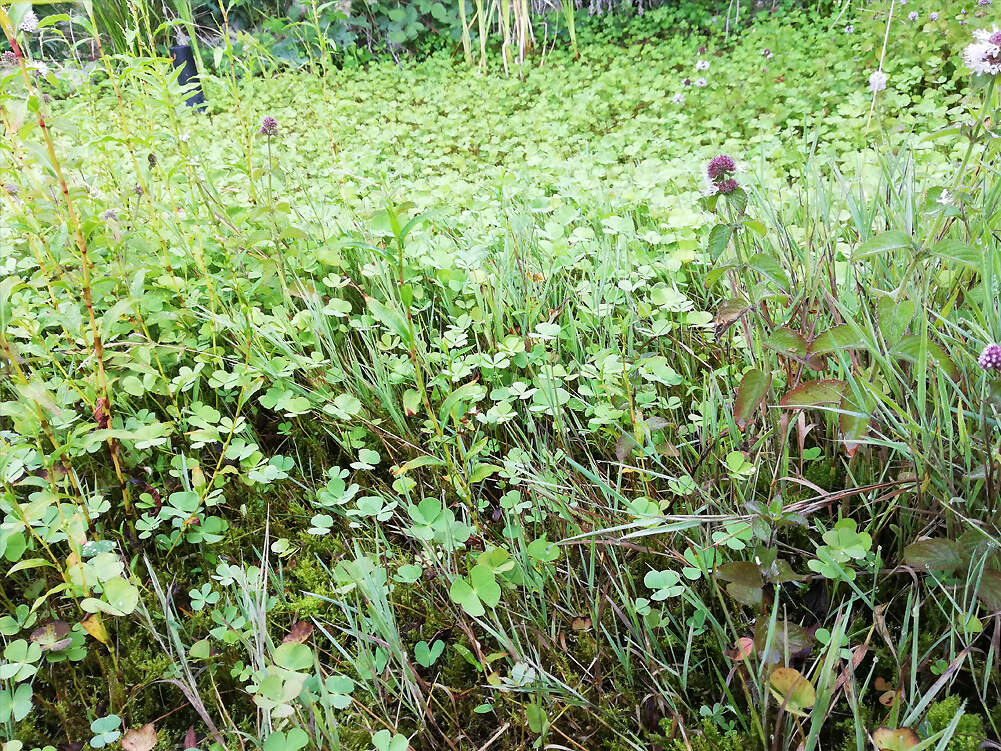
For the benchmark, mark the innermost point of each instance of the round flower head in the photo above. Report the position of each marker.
(912, 16)
(701, 83)
(877, 81)
(990, 358)
(933, 16)
(9, 59)
(269, 126)
(702, 65)
(983, 56)
(679, 98)
(726, 187)
(29, 24)
(10, 189)
(766, 53)
(983, 3)
(720, 167)
(702, 50)
(687, 82)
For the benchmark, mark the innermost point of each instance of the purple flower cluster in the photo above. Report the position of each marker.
(269, 126)
(990, 358)
(720, 173)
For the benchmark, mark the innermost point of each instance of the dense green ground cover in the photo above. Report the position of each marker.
(455, 413)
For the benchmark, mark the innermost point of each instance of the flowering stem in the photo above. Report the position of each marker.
(81, 243)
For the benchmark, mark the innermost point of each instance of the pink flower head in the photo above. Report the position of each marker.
(720, 168)
(726, 187)
(269, 126)
(990, 358)
(702, 50)
(983, 56)
(9, 58)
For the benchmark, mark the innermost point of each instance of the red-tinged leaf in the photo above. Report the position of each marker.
(938, 554)
(624, 446)
(52, 636)
(742, 649)
(989, 591)
(815, 393)
(190, 739)
(750, 394)
(787, 342)
(101, 416)
(740, 572)
(299, 633)
(840, 337)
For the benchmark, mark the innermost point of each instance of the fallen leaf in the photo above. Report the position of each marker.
(299, 633)
(94, 626)
(140, 739)
(900, 739)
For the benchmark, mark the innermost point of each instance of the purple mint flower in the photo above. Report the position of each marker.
(983, 3)
(726, 187)
(269, 126)
(933, 16)
(720, 167)
(10, 189)
(29, 24)
(912, 16)
(990, 358)
(9, 58)
(702, 50)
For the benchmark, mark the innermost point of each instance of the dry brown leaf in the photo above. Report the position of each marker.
(140, 739)
(299, 633)
(94, 626)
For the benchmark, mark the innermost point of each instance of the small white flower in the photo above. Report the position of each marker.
(849, 29)
(679, 98)
(702, 65)
(701, 83)
(29, 24)
(877, 81)
(945, 199)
